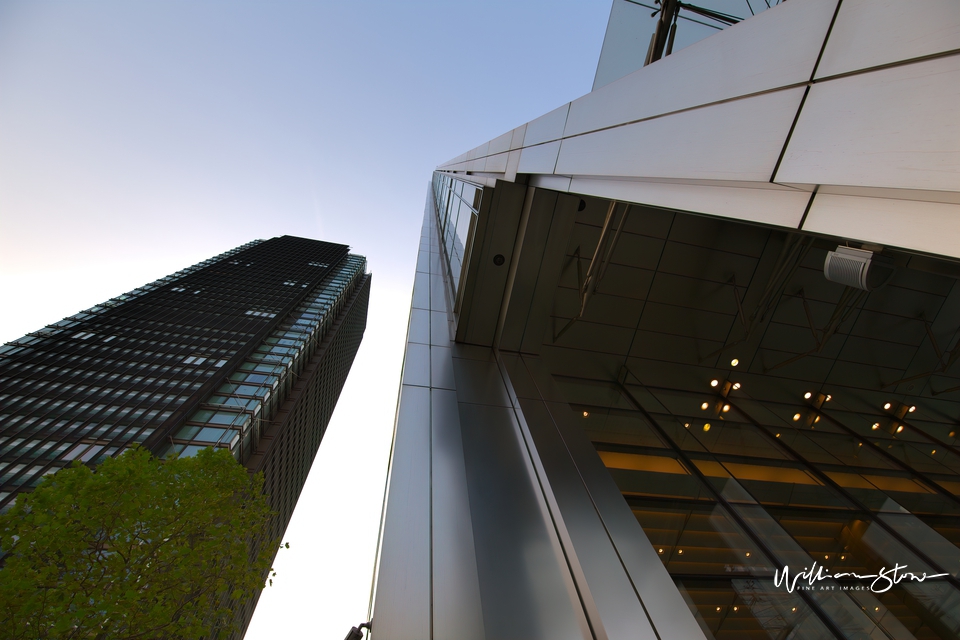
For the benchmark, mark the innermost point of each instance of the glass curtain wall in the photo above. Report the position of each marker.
(728, 489)
(458, 205)
(233, 417)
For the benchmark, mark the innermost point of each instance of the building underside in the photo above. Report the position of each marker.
(632, 397)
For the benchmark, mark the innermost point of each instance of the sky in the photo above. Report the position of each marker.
(137, 138)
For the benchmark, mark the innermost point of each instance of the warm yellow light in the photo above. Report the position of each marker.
(817, 419)
(734, 362)
(912, 409)
(952, 434)
(886, 406)
(778, 435)
(859, 444)
(686, 424)
(826, 557)
(794, 609)
(736, 609)
(718, 608)
(659, 550)
(585, 414)
(736, 385)
(900, 428)
(726, 408)
(807, 395)
(796, 417)
(706, 427)
(876, 425)
(680, 551)
(748, 554)
(829, 397)
(704, 406)
(876, 608)
(843, 557)
(714, 383)
(933, 452)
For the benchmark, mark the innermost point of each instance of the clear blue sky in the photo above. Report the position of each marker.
(137, 138)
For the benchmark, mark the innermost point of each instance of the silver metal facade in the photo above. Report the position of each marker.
(621, 347)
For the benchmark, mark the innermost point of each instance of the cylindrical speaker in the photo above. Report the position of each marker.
(857, 268)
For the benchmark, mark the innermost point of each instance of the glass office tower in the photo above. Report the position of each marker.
(689, 332)
(246, 351)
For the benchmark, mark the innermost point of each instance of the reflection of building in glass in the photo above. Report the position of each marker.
(247, 351)
(635, 387)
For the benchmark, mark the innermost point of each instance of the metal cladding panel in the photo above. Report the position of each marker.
(777, 48)
(456, 587)
(620, 612)
(781, 207)
(895, 128)
(931, 227)
(663, 603)
(547, 127)
(523, 579)
(403, 599)
(738, 140)
(539, 159)
(871, 33)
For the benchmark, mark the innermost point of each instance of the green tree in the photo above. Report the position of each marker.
(137, 548)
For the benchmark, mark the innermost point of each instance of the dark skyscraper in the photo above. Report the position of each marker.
(247, 351)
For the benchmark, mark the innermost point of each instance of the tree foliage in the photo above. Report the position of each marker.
(138, 548)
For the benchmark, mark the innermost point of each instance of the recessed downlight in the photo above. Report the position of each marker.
(736, 385)
(807, 395)
(705, 405)
(734, 362)
(886, 406)
(714, 382)
(796, 417)
(706, 427)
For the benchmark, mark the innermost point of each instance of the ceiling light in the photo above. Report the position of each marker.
(796, 417)
(734, 362)
(660, 550)
(585, 414)
(826, 557)
(952, 434)
(807, 395)
(933, 452)
(843, 557)
(828, 398)
(726, 408)
(736, 608)
(900, 428)
(686, 424)
(794, 609)
(912, 409)
(859, 444)
(876, 608)
(736, 385)
(817, 419)
(704, 406)
(714, 383)
(876, 425)
(748, 554)
(778, 435)
(680, 551)
(886, 406)
(718, 608)
(706, 427)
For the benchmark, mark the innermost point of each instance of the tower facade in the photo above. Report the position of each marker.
(688, 335)
(246, 351)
